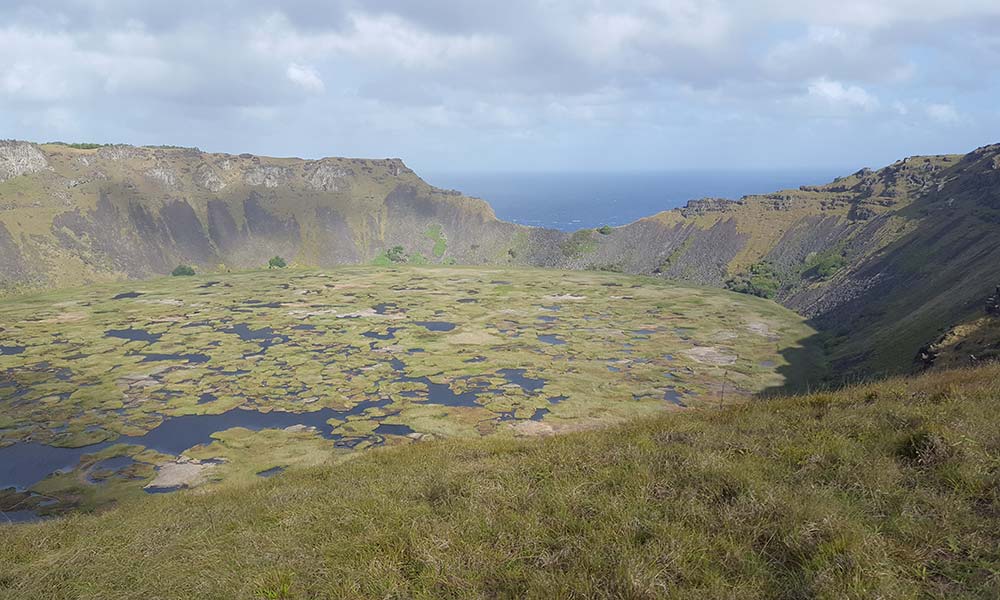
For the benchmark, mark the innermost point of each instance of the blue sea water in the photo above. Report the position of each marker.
(570, 201)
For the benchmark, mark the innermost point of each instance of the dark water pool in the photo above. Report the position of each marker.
(516, 376)
(435, 325)
(18, 516)
(25, 464)
(381, 309)
(133, 335)
(388, 335)
(163, 489)
(271, 472)
(126, 295)
(9, 350)
(441, 393)
(265, 335)
(393, 429)
(102, 470)
(674, 397)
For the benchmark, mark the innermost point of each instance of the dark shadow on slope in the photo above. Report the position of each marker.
(807, 367)
(905, 296)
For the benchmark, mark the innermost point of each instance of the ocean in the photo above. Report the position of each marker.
(570, 201)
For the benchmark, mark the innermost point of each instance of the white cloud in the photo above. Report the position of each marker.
(454, 71)
(392, 38)
(305, 77)
(838, 95)
(942, 113)
(386, 40)
(874, 14)
(644, 31)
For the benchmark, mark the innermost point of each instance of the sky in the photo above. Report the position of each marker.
(518, 85)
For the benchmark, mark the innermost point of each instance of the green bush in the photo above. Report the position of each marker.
(605, 230)
(80, 146)
(183, 271)
(760, 280)
(824, 265)
(277, 263)
(396, 254)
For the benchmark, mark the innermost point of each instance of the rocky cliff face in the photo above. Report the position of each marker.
(69, 216)
(894, 254)
(19, 158)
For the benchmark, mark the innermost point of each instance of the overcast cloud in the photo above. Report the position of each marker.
(514, 85)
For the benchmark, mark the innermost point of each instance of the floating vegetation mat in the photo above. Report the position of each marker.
(179, 382)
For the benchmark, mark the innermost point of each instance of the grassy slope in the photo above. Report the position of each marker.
(887, 490)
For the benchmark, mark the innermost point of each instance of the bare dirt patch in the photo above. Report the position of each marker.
(710, 355)
(183, 473)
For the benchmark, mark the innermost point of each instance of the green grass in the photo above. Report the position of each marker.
(760, 280)
(436, 235)
(579, 243)
(80, 145)
(888, 490)
(382, 260)
(321, 343)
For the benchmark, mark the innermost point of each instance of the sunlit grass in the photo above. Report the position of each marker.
(887, 490)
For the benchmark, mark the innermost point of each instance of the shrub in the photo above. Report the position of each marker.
(183, 271)
(396, 254)
(277, 263)
(81, 146)
(824, 265)
(923, 448)
(760, 280)
(605, 230)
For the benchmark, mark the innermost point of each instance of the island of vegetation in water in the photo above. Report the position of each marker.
(119, 390)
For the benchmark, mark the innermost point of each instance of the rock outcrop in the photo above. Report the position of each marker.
(993, 303)
(20, 158)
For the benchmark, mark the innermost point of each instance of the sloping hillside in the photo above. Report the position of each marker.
(937, 274)
(883, 261)
(881, 491)
(68, 216)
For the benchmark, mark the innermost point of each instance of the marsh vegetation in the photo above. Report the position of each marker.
(238, 374)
